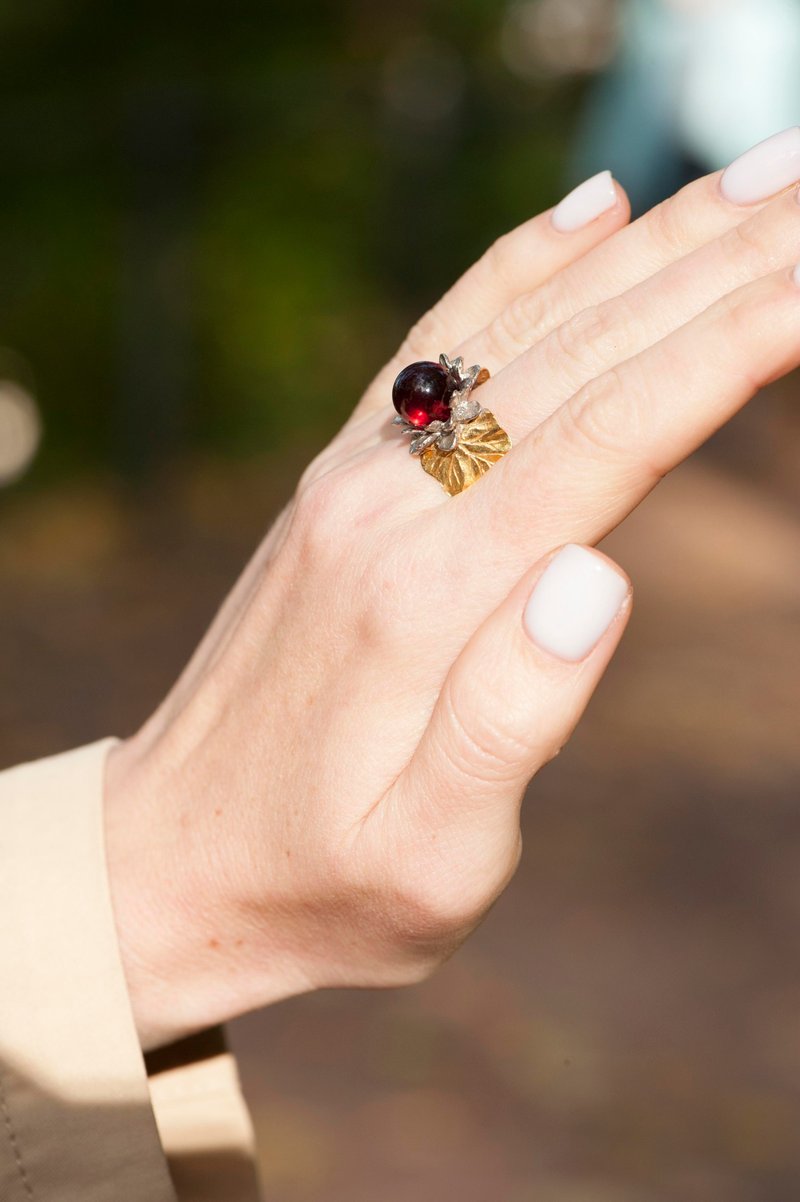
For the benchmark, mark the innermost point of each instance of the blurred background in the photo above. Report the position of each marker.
(216, 222)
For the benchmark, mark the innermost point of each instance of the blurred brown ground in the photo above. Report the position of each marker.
(626, 1023)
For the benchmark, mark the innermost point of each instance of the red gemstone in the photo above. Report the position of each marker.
(421, 393)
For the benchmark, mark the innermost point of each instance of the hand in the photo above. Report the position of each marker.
(330, 794)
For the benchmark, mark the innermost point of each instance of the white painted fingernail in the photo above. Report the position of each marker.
(764, 169)
(574, 602)
(584, 203)
(796, 275)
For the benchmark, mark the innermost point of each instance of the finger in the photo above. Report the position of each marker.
(589, 464)
(602, 336)
(509, 703)
(515, 263)
(702, 211)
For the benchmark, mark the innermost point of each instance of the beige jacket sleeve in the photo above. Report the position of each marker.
(84, 1117)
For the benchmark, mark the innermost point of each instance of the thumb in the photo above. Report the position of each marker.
(516, 692)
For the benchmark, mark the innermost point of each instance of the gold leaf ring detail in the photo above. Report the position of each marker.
(457, 440)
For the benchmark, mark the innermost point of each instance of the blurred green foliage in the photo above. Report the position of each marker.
(216, 221)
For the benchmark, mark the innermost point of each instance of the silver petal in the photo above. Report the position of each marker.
(421, 442)
(446, 442)
(466, 410)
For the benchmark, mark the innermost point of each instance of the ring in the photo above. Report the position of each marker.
(457, 440)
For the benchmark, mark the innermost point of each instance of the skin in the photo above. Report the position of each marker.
(330, 794)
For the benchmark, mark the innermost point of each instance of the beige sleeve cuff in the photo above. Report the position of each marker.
(82, 1116)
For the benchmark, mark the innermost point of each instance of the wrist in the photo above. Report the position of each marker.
(188, 961)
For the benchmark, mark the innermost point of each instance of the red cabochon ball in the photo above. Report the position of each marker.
(422, 392)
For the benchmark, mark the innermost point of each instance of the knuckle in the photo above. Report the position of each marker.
(611, 420)
(746, 319)
(448, 889)
(745, 311)
(432, 917)
(434, 910)
(667, 224)
(318, 523)
(312, 472)
(591, 415)
(521, 324)
(585, 343)
(377, 571)
(736, 314)
(424, 339)
(743, 245)
(316, 498)
(477, 745)
(744, 322)
(502, 257)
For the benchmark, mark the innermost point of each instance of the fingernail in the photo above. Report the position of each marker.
(764, 169)
(796, 275)
(584, 203)
(574, 602)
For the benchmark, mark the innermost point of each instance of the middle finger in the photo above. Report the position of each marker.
(698, 214)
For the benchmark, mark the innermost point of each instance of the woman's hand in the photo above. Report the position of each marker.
(330, 794)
